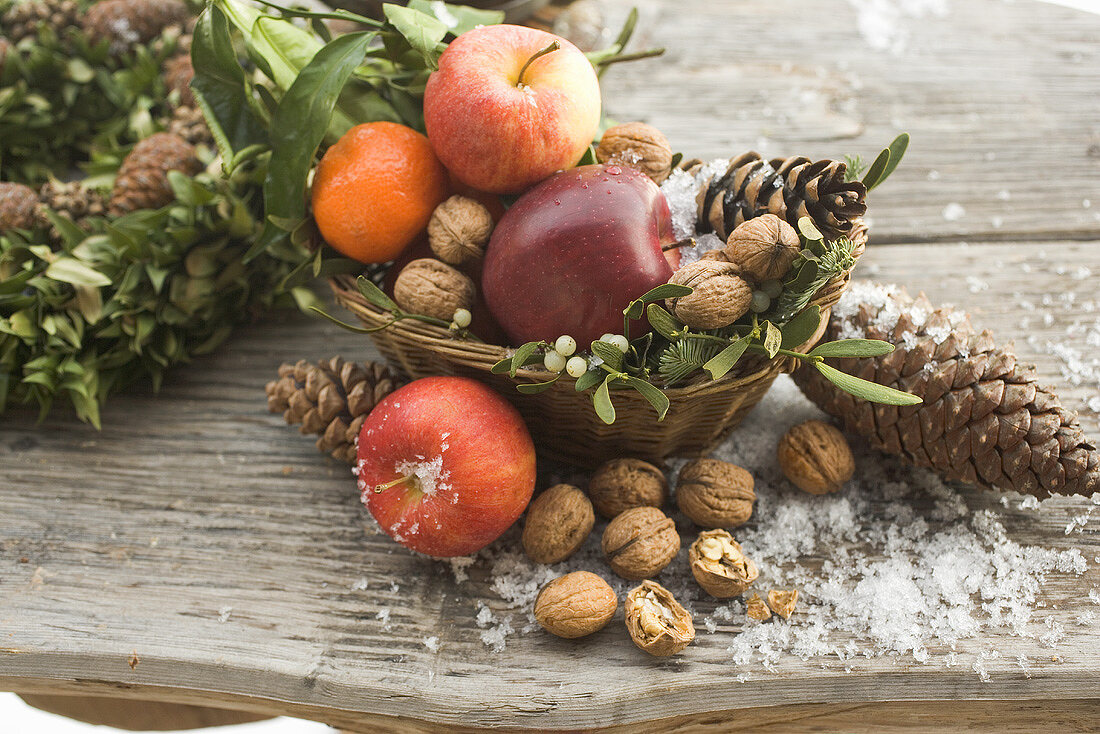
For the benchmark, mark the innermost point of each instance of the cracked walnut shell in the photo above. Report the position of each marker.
(639, 146)
(575, 605)
(558, 522)
(622, 484)
(657, 623)
(757, 609)
(719, 296)
(816, 457)
(782, 601)
(459, 230)
(640, 542)
(764, 247)
(715, 494)
(719, 565)
(431, 288)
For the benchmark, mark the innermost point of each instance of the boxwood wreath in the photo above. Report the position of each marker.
(121, 242)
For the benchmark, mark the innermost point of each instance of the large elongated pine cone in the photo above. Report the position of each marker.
(142, 181)
(790, 188)
(985, 420)
(331, 399)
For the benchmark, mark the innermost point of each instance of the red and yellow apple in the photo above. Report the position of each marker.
(501, 117)
(445, 465)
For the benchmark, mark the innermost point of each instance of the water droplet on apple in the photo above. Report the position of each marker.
(557, 201)
(614, 170)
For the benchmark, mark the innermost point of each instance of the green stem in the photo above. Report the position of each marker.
(538, 54)
(380, 488)
(649, 53)
(758, 348)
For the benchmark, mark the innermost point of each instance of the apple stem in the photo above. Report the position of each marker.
(677, 245)
(549, 49)
(380, 488)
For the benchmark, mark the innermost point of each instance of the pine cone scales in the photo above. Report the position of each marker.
(23, 18)
(72, 201)
(18, 207)
(124, 23)
(789, 188)
(330, 399)
(984, 420)
(142, 181)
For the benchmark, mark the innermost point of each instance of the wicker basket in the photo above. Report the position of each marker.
(562, 420)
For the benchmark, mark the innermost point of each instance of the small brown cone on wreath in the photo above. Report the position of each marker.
(790, 188)
(178, 73)
(124, 23)
(72, 201)
(18, 207)
(23, 19)
(142, 181)
(330, 399)
(985, 419)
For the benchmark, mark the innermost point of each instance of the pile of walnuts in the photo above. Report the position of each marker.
(640, 540)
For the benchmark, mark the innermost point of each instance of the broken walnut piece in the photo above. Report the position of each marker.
(782, 601)
(719, 565)
(757, 609)
(657, 623)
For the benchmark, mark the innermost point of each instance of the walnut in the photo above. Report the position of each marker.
(637, 145)
(719, 298)
(459, 230)
(816, 457)
(757, 609)
(431, 288)
(764, 247)
(719, 255)
(719, 565)
(640, 542)
(622, 484)
(782, 601)
(558, 521)
(715, 494)
(575, 605)
(657, 623)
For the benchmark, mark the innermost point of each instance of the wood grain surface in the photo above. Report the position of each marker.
(196, 550)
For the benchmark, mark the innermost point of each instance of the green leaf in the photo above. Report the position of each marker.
(220, 87)
(534, 388)
(588, 379)
(299, 126)
(801, 327)
(719, 365)
(306, 299)
(424, 32)
(668, 290)
(458, 18)
(71, 270)
(875, 171)
(502, 367)
(663, 322)
(374, 294)
(897, 152)
(589, 157)
(601, 401)
(773, 339)
(286, 48)
(609, 353)
(852, 348)
(627, 29)
(653, 394)
(867, 390)
(519, 359)
(809, 230)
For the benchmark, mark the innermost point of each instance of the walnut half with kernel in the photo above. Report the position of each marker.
(657, 623)
(640, 542)
(575, 605)
(719, 565)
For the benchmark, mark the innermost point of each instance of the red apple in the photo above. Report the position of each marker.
(500, 127)
(445, 465)
(574, 251)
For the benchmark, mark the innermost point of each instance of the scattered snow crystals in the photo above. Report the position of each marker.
(383, 616)
(883, 24)
(359, 585)
(954, 211)
(432, 643)
(1094, 595)
(428, 472)
(223, 614)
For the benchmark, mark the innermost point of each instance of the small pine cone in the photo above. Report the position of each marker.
(18, 207)
(790, 188)
(330, 399)
(142, 181)
(189, 124)
(985, 420)
(178, 73)
(125, 23)
(72, 201)
(23, 19)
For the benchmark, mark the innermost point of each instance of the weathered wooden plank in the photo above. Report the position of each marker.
(198, 536)
(1001, 100)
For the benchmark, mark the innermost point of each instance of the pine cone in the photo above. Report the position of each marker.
(330, 399)
(18, 207)
(72, 201)
(22, 19)
(178, 73)
(189, 124)
(984, 419)
(125, 23)
(142, 181)
(790, 188)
